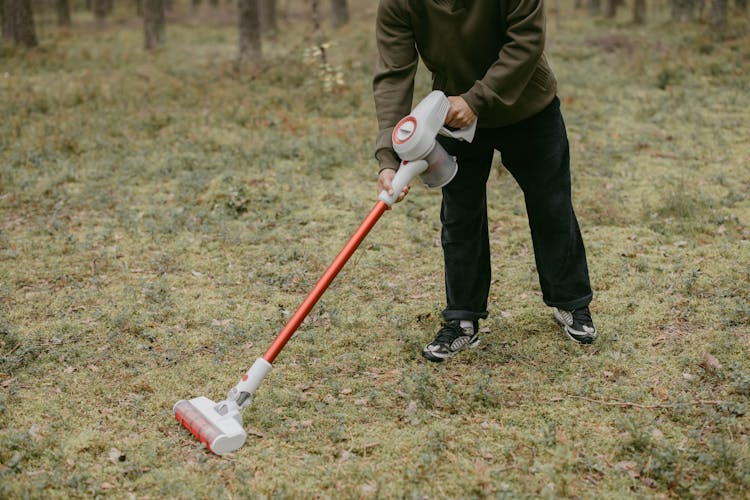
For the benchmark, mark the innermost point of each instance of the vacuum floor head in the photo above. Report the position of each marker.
(217, 425)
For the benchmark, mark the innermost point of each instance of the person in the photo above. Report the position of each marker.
(488, 58)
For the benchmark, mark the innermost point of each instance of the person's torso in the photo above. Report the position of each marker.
(458, 40)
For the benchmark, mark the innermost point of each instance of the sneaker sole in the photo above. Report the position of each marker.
(579, 340)
(587, 339)
(430, 356)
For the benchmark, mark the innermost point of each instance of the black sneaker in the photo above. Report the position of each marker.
(576, 324)
(450, 340)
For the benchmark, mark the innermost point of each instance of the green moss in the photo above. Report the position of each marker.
(162, 216)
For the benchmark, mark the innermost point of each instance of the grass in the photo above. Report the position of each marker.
(162, 215)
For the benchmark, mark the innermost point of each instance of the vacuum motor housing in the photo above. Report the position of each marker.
(414, 138)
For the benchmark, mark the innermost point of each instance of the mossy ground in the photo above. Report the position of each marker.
(162, 215)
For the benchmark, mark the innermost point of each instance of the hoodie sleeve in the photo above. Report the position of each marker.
(509, 75)
(393, 82)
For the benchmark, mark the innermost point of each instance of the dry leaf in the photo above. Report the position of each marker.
(481, 466)
(710, 363)
(254, 432)
(661, 392)
(15, 459)
(387, 376)
(649, 482)
(368, 489)
(34, 432)
(630, 467)
(411, 410)
(116, 456)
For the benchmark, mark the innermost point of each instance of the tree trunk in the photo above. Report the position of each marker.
(719, 15)
(100, 12)
(6, 7)
(610, 8)
(639, 11)
(249, 26)
(22, 17)
(340, 11)
(63, 13)
(268, 24)
(283, 10)
(741, 5)
(318, 33)
(594, 7)
(683, 10)
(153, 23)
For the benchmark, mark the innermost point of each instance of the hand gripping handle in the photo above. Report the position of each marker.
(405, 174)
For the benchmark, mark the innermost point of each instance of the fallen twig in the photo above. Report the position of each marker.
(630, 404)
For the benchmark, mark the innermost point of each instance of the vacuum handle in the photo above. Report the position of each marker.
(462, 134)
(405, 174)
(320, 287)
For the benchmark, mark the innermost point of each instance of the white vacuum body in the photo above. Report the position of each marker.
(414, 138)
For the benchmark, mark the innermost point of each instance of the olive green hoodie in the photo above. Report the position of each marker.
(490, 52)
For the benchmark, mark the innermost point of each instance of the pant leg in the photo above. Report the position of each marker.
(536, 153)
(464, 236)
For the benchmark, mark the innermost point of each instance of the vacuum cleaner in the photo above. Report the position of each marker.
(219, 425)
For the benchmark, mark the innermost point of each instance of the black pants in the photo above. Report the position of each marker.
(535, 151)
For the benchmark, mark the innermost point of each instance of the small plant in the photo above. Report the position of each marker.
(330, 77)
(741, 383)
(668, 76)
(638, 435)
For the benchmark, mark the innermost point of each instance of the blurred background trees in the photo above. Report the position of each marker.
(154, 21)
(680, 10)
(340, 12)
(250, 30)
(18, 22)
(63, 13)
(257, 19)
(268, 24)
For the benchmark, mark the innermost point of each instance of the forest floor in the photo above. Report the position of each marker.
(162, 215)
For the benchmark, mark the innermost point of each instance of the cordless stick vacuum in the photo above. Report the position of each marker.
(219, 425)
